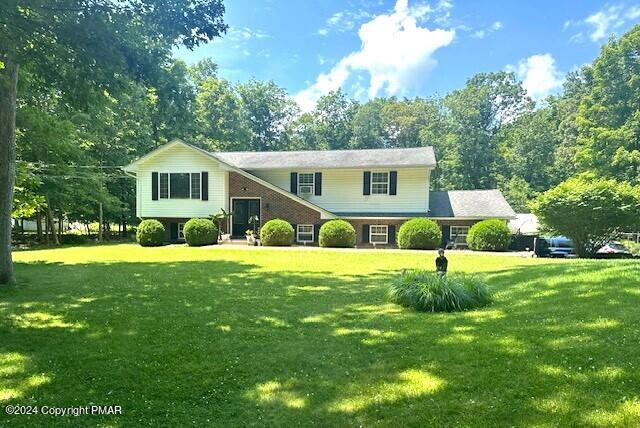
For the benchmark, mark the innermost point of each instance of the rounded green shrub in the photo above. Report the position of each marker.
(489, 235)
(337, 233)
(276, 233)
(419, 234)
(430, 292)
(150, 233)
(199, 232)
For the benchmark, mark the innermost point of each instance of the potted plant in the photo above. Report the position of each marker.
(220, 219)
(252, 234)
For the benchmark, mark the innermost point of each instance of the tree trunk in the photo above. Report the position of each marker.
(100, 225)
(39, 226)
(8, 92)
(51, 223)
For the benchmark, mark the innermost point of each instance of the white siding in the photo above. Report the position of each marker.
(342, 190)
(181, 159)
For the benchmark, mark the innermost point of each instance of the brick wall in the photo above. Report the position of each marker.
(273, 204)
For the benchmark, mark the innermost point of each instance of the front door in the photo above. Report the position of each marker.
(243, 210)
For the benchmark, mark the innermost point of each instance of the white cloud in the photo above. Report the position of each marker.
(481, 34)
(395, 52)
(343, 21)
(602, 23)
(539, 75)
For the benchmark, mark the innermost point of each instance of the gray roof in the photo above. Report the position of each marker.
(370, 158)
(469, 204)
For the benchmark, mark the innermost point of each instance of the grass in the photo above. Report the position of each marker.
(268, 337)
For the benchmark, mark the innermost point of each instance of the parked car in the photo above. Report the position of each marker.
(614, 250)
(553, 246)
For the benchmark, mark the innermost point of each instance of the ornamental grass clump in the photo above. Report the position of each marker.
(430, 292)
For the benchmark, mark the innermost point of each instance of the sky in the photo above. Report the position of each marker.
(409, 48)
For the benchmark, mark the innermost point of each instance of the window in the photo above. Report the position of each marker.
(180, 185)
(164, 186)
(304, 233)
(459, 234)
(195, 185)
(305, 183)
(379, 234)
(379, 183)
(180, 230)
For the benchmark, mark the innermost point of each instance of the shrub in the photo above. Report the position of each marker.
(430, 292)
(489, 235)
(199, 232)
(419, 234)
(337, 233)
(150, 233)
(276, 233)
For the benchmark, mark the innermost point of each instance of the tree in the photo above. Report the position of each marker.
(477, 113)
(98, 39)
(333, 115)
(220, 116)
(589, 210)
(609, 114)
(269, 112)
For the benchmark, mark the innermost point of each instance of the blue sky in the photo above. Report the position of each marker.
(409, 47)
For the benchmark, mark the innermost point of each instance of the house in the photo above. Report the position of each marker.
(374, 190)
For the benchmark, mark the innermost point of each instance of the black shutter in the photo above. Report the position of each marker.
(365, 233)
(154, 186)
(316, 233)
(318, 184)
(294, 183)
(174, 232)
(391, 234)
(295, 232)
(393, 182)
(446, 235)
(204, 179)
(366, 188)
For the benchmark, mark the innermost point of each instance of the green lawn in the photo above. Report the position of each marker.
(241, 337)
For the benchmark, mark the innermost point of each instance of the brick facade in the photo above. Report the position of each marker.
(272, 204)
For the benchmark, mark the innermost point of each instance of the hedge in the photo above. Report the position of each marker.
(200, 231)
(489, 235)
(276, 233)
(419, 234)
(337, 233)
(150, 233)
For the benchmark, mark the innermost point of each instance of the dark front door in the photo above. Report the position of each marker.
(243, 210)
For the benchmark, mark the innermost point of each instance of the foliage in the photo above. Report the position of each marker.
(199, 232)
(589, 210)
(419, 234)
(489, 235)
(430, 292)
(609, 114)
(633, 246)
(337, 233)
(150, 233)
(276, 233)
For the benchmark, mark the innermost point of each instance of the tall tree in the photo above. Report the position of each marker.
(609, 114)
(333, 116)
(478, 111)
(98, 39)
(269, 112)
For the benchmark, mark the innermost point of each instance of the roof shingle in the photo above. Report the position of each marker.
(469, 204)
(370, 158)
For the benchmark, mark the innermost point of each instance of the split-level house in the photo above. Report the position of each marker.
(374, 190)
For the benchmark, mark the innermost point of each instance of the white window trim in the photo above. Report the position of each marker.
(380, 182)
(181, 231)
(169, 186)
(452, 235)
(386, 234)
(312, 185)
(313, 231)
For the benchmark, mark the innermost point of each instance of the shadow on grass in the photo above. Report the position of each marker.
(230, 343)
